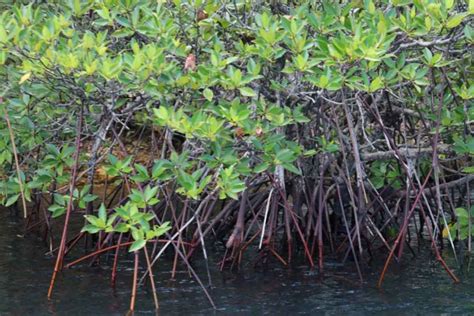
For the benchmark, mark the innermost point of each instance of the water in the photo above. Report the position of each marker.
(418, 286)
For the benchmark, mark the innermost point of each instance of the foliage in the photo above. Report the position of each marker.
(462, 229)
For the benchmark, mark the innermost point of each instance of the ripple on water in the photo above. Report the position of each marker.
(418, 286)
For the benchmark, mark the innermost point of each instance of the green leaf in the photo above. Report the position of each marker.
(25, 77)
(247, 92)
(137, 245)
(208, 94)
(150, 192)
(299, 116)
(291, 168)
(285, 156)
(102, 212)
(376, 84)
(91, 229)
(309, 153)
(462, 216)
(469, 169)
(94, 220)
(162, 229)
(57, 210)
(121, 228)
(455, 20)
(12, 199)
(3, 34)
(378, 182)
(261, 167)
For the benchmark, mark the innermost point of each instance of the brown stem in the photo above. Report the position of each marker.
(62, 246)
(401, 234)
(235, 238)
(134, 285)
(152, 281)
(114, 267)
(17, 163)
(100, 251)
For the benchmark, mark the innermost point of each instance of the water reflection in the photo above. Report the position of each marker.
(417, 286)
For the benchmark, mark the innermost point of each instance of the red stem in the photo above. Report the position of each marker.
(62, 246)
(134, 285)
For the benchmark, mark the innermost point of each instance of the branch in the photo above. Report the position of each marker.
(449, 185)
(407, 153)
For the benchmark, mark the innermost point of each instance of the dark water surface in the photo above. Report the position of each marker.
(418, 286)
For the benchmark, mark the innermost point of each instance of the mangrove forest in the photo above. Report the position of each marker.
(153, 147)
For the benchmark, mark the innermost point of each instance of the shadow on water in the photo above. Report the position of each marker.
(417, 286)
